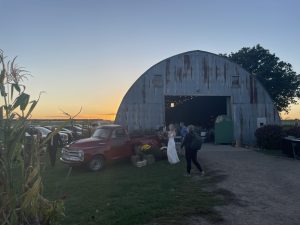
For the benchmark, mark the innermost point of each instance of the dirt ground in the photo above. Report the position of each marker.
(265, 190)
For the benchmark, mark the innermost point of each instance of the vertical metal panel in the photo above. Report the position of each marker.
(197, 73)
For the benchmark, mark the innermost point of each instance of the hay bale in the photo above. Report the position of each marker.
(135, 159)
(150, 159)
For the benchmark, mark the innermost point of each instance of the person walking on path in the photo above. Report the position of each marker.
(171, 149)
(190, 153)
(53, 143)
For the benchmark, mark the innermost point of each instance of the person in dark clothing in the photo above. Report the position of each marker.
(190, 154)
(53, 143)
(183, 130)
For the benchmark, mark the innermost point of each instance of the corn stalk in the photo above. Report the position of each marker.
(21, 188)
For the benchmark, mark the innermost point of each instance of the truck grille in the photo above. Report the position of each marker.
(72, 155)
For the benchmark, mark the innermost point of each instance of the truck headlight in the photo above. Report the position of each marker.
(81, 155)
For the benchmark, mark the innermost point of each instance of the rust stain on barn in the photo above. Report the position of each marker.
(197, 73)
(167, 74)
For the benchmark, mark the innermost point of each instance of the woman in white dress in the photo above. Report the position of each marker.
(171, 150)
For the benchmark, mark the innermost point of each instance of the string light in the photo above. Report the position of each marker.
(173, 101)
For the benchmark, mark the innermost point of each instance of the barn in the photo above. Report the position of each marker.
(197, 87)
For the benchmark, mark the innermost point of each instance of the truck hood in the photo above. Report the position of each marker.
(88, 143)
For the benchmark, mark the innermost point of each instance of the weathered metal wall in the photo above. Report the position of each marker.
(197, 73)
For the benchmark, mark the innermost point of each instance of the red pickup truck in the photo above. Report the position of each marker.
(108, 142)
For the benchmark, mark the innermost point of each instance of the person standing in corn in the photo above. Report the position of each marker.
(53, 143)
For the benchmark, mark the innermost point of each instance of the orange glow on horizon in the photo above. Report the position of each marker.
(48, 111)
(108, 116)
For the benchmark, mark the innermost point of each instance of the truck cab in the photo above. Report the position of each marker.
(108, 142)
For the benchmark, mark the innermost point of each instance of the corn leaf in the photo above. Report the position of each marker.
(33, 105)
(2, 76)
(2, 90)
(16, 87)
(22, 100)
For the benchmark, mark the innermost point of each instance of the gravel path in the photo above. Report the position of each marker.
(266, 188)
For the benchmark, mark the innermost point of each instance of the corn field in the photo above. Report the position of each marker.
(21, 187)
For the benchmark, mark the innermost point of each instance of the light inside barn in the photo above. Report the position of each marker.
(198, 110)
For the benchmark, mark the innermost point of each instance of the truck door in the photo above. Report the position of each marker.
(120, 144)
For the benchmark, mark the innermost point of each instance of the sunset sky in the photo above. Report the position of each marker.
(89, 52)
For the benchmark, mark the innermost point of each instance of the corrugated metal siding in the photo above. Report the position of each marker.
(197, 73)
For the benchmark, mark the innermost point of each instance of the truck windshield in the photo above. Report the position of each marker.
(101, 133)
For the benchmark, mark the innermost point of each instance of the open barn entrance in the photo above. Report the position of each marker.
(197, 110)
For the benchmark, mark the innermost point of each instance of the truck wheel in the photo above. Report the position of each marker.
(96, 164)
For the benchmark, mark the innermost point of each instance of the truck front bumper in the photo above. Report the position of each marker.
(71, 162)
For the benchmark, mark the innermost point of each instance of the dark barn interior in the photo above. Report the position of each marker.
(197, 110)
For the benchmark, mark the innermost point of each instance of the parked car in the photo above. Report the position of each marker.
(108, 143)
(62, 133)
(69, 133)
(32, 132)
(47, 129)
(37, 129)
(76, 131)
(85, 132)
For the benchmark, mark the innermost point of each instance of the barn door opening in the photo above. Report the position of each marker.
(200, 111)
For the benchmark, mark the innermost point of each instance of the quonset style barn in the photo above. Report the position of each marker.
(195, 87)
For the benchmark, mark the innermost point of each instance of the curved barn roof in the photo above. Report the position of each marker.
(196, 73)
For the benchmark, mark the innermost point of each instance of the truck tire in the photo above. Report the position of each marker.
(96, 164)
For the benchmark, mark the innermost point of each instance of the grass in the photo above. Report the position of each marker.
(122, 194)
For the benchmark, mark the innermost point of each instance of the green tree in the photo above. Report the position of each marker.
(278, 77)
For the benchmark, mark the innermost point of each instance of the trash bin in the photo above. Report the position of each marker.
(223, 130)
